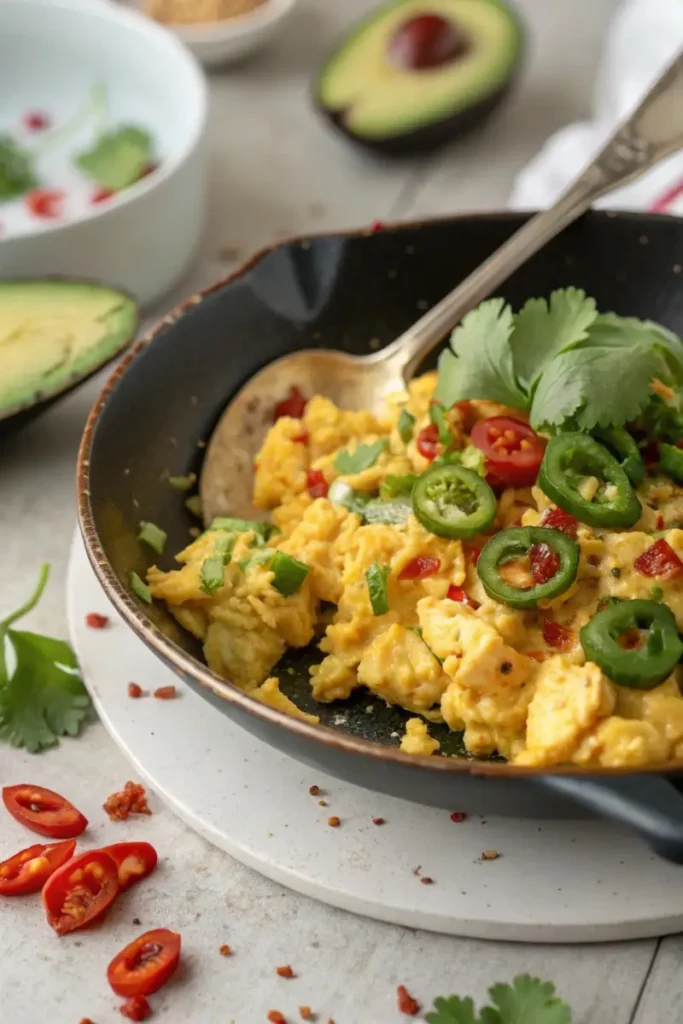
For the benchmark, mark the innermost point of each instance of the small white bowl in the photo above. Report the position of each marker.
(219, 43)
(143, 238)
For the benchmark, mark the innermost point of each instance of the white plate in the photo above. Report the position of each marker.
(555, 881)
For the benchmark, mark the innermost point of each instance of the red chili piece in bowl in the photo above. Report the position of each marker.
(420, 568)
(659, 560)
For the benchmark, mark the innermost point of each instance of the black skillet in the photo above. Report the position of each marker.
(160, 406)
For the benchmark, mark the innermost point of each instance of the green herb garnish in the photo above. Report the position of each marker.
(260, 557)
(140, 588)
(225, 545)
(288, 573)
(262, 531)
(118, 159)
(154, 537)
(437, 415)
(17, 175)
(406, 426)
(657, 593)
(526, 1001)
(365, 455)
(44, 697)
(397, 486)
(211, 574)
(376, 577)
(183, 483)
(193, 504)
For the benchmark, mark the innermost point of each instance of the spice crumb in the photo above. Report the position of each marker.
(285, 971)
(134, 690)
(490, 855)
(322, 803)
(406, 1003)
(275, 1017)
(314, 790)
(458, 816)
(136, 920)
(225, 950)
(166, 693)
(131, 800)
(334, 821)
(378, 821)
(426, 880)
(305, 1013)
(95, 621)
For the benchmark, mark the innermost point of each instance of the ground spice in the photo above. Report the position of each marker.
(131, 800)
(166, 693)
(406, 1003)
(334, 821)
(95, 621)
(285, 971)
(134, 690)
(225, 950)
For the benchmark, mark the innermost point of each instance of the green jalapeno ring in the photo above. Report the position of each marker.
(515, 543)
(621, 445)
(671, 462)
(642, 668)
(571, 456)
(451, 501)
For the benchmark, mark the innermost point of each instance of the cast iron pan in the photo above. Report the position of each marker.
(341, 291)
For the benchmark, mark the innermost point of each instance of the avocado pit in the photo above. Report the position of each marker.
(427, 41)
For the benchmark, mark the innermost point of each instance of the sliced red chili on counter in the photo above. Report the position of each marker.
(455, 593)
(134, 690)
(405, 1001)
(43, 811)
(428, 442)
(29, 869)
(659, 560)
(136, 1008)
(96, 621)
(293, 405)
(543, 563)
(556, 635)
(134, 861)
(145, 964)
(558, 519)
(317, 484)
(81, 890)
(513, 450)
(419, 568)
(45, 202)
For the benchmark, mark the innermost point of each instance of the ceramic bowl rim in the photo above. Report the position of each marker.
(240, 27)
(184, 664)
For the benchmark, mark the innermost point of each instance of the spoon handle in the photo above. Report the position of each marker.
(653, 131)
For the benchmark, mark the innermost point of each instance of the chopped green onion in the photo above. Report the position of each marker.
(657, 594)
(376, 578)
(224, 547)
(288, 573)
(211, 574)
(231, 524)
(140, 588)
(364, 456)
(153, 537)
(397, 486)
(183, 483)
(258, 558)
(437, 415)
(194, 505)
(406, 425)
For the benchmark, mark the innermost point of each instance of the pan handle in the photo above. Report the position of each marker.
(652, 805)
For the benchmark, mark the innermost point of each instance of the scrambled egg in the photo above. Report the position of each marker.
(482, 668)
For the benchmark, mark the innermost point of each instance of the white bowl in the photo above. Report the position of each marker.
(219, 43)
(142, 239)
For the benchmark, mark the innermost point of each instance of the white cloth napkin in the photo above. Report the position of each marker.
(643, 38)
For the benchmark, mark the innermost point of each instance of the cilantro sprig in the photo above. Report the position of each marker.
(560, 360)
(118, 158)
(43, 697)
(526, 1001)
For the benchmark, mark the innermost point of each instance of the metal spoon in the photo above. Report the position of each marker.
(653, 131)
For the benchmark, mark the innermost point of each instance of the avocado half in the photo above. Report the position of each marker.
(419, 73)
(54, 334)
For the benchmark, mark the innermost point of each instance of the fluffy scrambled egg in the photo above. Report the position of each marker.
(479, 666)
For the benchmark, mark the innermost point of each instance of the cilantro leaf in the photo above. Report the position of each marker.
(543, 329)
(364, 456)
(625, 329)
(17, 175)
(376, 577)
(526, 1001)
(211, 574)
(397, 486)
(453, 1010)
(118, 158)
(406, 426)
(480, 365)
(437, 415)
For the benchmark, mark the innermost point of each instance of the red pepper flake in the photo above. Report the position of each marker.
(419, 568)
(45, 203)
(558, 519)
(136, 1008)
(314, 790)
(293, 405)
(134, 690)
(85, 1020)
(301, 438)
(543, 563)
(660, 521)
(166, 693)
(455, 593)
(378, 821)
(131, 800)
(36, 121)
(426, 880)
(406, 1003)
(95, 621)
(275, 1017)
(101, 195)
(659, 560)
(225, 950)
(377, 225)
(428, 442)
(285, 971)
(557, 636)
(317, 484)
(334, 821)
(458, 816)
(306, 1013)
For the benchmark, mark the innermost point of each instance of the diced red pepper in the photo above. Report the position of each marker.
(293, 405)
(376, 226)
(45, 202)
(473, 554)
(405, 1001)
(317, 484)
(301, 438)
(136, 1008)
(557, 636)
(558, 519)
(659, 560)
(134, 690)
(458, 594)
(95, 621)
(428, 442)
(36, 121)
(543, 563)
(419, 568)
(100, 195)
(660, 521)
(458, 816)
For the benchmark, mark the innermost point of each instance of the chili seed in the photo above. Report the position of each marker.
(322, 803)
(134, 690)
(165, 692)
(305, 1013)
(225, 950)
(490, 855)
(334, 821)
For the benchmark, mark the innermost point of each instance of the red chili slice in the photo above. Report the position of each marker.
(543, 563)
(458, 594)
(145, 964)
(317, 484)
(43, 811)
(513, 450)
(95, 621)
(556, 635)
(46, 203)
(293, 405)
(136, 1008)
(659, 560)
(81, 890)
(29, 869)
(558, 519)
(134, 861)
(419, 568)
(428, 442)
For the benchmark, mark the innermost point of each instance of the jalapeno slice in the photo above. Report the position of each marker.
(569, 461)
(621, 445)
(640, 667)
(514, 544)
(451, 501)
(671, 462)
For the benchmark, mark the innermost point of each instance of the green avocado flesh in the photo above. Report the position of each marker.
(374, 99)
(53, 333)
